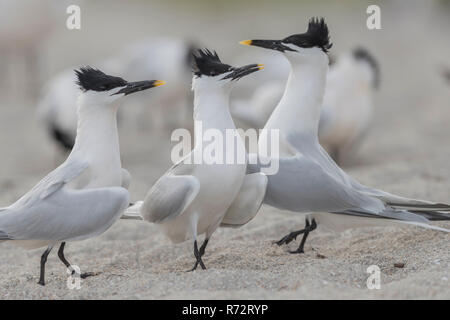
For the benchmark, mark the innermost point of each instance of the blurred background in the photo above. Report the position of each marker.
(140, 40)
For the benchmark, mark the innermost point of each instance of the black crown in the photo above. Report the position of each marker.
(316, 36)
(96, 80)
(207, 62)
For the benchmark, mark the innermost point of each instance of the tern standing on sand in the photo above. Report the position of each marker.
(84, 196)
(308, 179)
(194, 198)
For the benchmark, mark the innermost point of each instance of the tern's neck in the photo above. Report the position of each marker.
(299, 108)
(97, 137)
(211, 109)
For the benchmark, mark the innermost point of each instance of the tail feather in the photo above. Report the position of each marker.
(133, 212)
(4, 236)
(433, 215)
(388, 213)
(436, 211)
(430, 210)
(398, 201)
(399, 216)
(421, 216)
(412, 204)
(417, 206)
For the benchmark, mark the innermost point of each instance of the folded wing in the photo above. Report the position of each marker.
(248, 201)
(169, 197)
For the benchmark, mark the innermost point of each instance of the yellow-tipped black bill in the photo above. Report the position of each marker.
(267, 44)
(137, 86)
(238, 73)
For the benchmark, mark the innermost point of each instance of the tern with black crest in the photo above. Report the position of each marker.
(196, 197)
(308, 180)
(84, 196)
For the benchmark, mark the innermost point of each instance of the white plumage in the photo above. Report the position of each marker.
(194, 198)
(308, 179)
(85, 195)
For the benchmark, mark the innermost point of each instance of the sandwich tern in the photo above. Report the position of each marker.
(84, 196)
(308, 179)
(194, 198)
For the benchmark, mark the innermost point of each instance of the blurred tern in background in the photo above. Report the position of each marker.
(150, 58)
(348, 103)
(308, 179)
(193, 198)
(347, 108)
(84, 196)
(254, 112)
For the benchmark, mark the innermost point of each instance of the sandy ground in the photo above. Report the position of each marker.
(407, 152)
(135, 260)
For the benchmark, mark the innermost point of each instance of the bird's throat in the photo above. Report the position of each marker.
(97, 142)
(299, 108)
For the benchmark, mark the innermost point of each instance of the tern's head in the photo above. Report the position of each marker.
(303, 47)
(369, 64)
(102, 89)
(210, 72)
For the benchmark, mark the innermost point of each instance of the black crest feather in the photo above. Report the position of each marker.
(318, 32)
(317, 35)
(93, 79)
(364, 55)
(207, 62)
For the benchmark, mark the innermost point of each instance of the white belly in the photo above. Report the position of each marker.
(219, 185)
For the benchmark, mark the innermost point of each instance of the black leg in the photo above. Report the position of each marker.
(308, 228)
(198, 254)
(68, 265)
(293, 235)
(203, 247)
(63, 258)
(43, 261)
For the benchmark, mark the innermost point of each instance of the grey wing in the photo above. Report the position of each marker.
(301, 185)
(51, 183)
(133, 212)
(368, 202)
(248, 201)
(169, 197)
(66, 215)
(395, 207)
